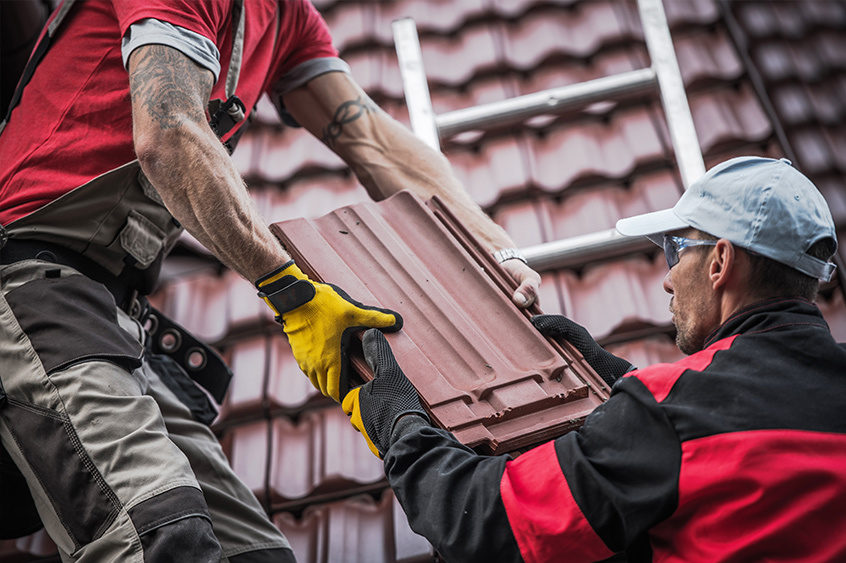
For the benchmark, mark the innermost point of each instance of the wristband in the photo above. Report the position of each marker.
(507, 254)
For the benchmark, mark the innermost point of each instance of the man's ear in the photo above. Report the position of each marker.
(723, 264)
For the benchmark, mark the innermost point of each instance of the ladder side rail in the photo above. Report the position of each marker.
(659, 43)
(414, 84)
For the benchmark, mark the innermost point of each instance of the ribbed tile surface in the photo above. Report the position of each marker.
(486, 381)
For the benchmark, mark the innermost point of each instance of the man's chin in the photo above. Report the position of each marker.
(686, 346)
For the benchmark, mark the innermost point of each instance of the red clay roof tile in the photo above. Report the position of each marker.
(303, 152)
(320, 454)
(243, 308)
(309, 196)
(248, 361)
(247, 447)
(599, 207)
(430, 16)
(643, 353)
(28, 548)
(595, 150)
(521, 220)
(478, 378)
(706, 56)
(288, 389)
(481, 91)
(496, 169)
(355, 529)
(689, 12)
(618, 296)
(834, 311)
(575, 33)
(454, 60)
(726, 117)
(352, 24)
(199, 304)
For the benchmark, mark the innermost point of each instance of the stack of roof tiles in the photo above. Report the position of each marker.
(762, 77)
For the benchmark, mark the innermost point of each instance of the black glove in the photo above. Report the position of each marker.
(374, 407)
(607, 365)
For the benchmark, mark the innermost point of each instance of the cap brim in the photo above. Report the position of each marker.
(648, 224)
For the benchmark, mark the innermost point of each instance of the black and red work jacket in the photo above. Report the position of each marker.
(735, 453)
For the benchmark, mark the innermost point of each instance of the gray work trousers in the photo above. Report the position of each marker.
(118, 468)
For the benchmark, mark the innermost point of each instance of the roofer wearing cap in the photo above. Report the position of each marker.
(116, 139)
(735, 453)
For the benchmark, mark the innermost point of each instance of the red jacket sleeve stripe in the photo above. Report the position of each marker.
(660, 378)
(545, 519)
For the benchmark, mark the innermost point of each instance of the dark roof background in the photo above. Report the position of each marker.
(762, 77)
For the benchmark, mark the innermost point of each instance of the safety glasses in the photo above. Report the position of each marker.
(674, 245)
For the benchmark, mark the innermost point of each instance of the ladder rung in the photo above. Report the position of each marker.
(568, 97)
(664, 72)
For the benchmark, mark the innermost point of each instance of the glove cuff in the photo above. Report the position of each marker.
(407, 423)
(410, 414)
(387, 439)
(285, 289)
(289, 268)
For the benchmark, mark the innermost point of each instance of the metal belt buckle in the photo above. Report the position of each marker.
(139, 307)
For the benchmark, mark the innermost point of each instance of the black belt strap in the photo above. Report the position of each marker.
(201, 362)
(121, 287)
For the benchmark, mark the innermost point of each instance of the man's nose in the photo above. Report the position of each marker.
(668, 283)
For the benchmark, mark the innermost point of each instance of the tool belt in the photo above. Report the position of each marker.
(167, 337)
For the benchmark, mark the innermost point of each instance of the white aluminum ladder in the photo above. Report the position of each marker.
(663, 74)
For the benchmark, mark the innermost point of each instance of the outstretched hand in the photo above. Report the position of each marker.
(609, 367)
(527, 292)
(374, 407)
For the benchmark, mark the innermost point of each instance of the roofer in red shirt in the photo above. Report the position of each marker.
(735, 453)
(112, 146)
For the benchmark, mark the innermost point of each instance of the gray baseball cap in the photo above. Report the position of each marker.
(760, 204)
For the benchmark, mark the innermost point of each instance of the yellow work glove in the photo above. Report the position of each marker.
(375, 407)
(319, 320)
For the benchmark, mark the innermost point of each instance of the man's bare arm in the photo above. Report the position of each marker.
(386, 157)
(188, 165)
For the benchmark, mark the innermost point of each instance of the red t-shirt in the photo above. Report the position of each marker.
(74, 119)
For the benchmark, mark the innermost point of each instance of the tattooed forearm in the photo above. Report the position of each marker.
(347, 112)
(169, 86)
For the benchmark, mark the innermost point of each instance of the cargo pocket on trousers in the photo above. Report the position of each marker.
(79, 495)
(188, 393)
(70, 319)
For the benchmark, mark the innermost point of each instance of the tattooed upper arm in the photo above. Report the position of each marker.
(346, 113)
(335, 110)
(168, 86)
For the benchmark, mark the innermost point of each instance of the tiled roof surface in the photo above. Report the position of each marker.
(356, 529)
(544, 179)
